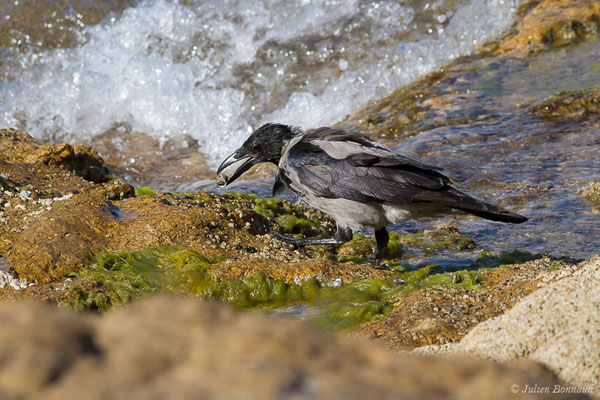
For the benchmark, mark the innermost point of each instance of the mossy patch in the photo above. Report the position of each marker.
(120, 278)
(116, 279)
(426, 277)
(340, 308)
(144, 191)
(126, 276)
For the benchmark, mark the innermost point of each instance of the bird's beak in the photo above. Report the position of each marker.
(237, 164)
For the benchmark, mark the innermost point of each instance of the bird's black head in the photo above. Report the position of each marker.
(264, 145)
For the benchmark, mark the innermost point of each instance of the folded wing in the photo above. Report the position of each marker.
(333, 163)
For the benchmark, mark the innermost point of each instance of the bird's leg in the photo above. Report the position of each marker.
(342, 235)
(382, 238)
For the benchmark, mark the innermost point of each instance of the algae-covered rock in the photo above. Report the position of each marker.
(440, 308)
(182, 348)
(52, 219)
(487, 259)
(547, 24)
(443, 237)
(570, 105)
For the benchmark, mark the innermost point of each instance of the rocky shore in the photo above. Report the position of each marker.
(147, 271)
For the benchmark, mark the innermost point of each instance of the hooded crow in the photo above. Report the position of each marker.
(355, 180)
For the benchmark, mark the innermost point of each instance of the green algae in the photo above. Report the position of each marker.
(270, 207)
(144, 191)
(178, 270)
(344, 307)
(81, 299)
(288, 217)
(126, 276)
(426, 278)
(122, 277)
(227, 205)
(441, 238)
(293, 224)
(241, 195)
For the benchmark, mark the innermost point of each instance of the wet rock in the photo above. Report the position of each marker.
(547, 24)
(116, 189)
(556, 325)
(297, 271)
(185, 349)
(444, 98)
(571, 105)
(45, 247)
(147, 161)
(18, 147)
(404, 113)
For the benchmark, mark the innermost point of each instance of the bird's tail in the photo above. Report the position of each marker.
(461, 201)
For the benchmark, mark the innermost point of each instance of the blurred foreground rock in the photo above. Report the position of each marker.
(186, 349)
(557, 325)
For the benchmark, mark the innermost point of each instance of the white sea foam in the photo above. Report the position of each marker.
(215, 70)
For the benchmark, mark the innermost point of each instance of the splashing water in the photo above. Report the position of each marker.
(214, 70)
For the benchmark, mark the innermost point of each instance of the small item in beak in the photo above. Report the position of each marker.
(222, 180)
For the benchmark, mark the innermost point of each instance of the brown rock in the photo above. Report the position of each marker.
(18, 147)
(404, 113)
(180, 349)
(291, 272)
